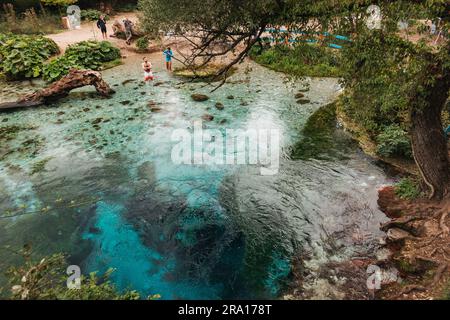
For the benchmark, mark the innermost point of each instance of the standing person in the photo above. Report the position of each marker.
(147, 67)
(101, 24)
(128, 30)
(169, 55)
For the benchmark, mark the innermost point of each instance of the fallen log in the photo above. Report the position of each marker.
(61, 88)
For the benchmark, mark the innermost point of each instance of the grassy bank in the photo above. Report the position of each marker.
(301, 60)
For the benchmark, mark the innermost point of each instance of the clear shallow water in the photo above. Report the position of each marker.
(94, 178)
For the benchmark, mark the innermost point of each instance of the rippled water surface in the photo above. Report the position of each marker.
(94, 178)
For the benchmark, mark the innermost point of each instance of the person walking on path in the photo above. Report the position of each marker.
(101, 24)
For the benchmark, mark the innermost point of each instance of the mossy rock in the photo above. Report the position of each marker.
(39, 166)
(9, 132)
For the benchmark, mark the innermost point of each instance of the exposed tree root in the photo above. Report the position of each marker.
(401, 223)
(415, 257)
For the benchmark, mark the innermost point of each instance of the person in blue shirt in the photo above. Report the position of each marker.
(169, 55)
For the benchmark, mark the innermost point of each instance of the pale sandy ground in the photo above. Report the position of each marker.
(89, 31)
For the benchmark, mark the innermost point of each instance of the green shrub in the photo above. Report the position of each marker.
(59, 67)
(83, 55)
(23, 56)
(46, 280)
(92, 15)
(142, 44)
(302, 60)
(407, 189)
(394, 141)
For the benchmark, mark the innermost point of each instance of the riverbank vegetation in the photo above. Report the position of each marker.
(23, 56)
(46, 279)
(301, 60)
(30, 21)
(26, 57)
(83, 55)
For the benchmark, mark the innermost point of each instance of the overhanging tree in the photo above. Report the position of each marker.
(388, 73)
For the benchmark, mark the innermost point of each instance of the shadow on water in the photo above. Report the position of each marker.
(322, 139)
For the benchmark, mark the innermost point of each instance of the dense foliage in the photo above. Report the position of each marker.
(142, 44)
(58, 2)
(83, 55)
(92, 15)
(393, 141)
(46, 280)
(407, 189)
(301, 60)
(24, 56)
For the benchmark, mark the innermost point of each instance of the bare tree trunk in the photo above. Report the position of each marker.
(75, 79)
(429, 143)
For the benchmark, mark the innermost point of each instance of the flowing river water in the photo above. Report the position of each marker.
(93, 178)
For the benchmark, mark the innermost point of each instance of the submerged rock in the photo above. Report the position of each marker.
(97, 121)
(125, 102)
(199, 97)
(230, 97)
(303, 101)
(219, 106)
(128, 81)
(155, 109)
(208, 117)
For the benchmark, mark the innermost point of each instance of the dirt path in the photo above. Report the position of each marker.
(89, 31)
